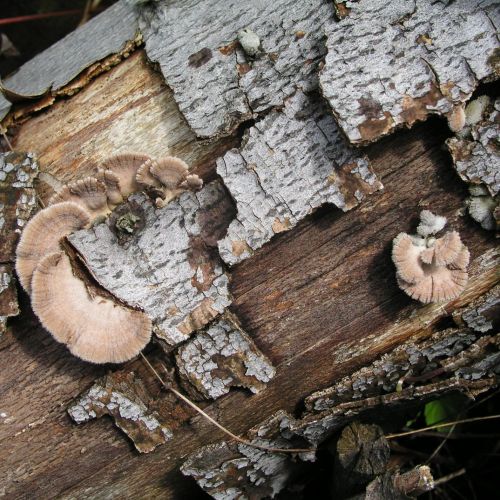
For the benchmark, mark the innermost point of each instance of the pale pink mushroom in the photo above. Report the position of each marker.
(43, 233)
(125, 167)
(90, 193)
(431, 269)
(95, 328)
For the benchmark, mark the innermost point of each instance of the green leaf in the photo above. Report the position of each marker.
(448, 408)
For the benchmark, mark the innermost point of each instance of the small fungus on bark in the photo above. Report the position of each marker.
(112, 183)
(431, 269)
(90, 193)
(95, 328)
(125, 167)
(168, 178)
(43, 233)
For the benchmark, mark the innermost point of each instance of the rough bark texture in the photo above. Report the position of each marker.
(121, 396)
(291, 162)
(477, 159)
(55, 67)
(392, 63)
(222, 357)
(166, 267)
(17, 205)
(320, 301)
(483, 314)
(216, 85)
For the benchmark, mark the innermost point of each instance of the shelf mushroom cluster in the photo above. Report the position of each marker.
(95, 327)
(431, 269)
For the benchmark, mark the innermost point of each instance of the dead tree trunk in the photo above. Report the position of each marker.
(311, 321)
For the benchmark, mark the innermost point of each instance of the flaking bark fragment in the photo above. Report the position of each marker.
(477, 157)
(121, 396)
(8, 295)
(221, 357)
(482, 315)
(216, 85)
(229, 470)
(291, 162)
(167, 266)
(107, 33)
(17, 204)
(391, 64)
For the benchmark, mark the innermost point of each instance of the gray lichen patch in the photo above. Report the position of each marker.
(228, 471)
(482, 315)
(221, 357)
(477, 156)
(17, 205)
(218, 85)
(168, 268)
(8, 295)
(121, 396)
(17, 199)
(291, 162)
(393, 63)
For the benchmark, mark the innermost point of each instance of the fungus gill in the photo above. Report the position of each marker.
(431, 269)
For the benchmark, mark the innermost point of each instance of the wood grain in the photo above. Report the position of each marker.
(306, 295)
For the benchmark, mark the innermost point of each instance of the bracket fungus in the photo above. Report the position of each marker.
(431, 269)
(167, 177)
(42, 235)
(94, 328)
(90, 193)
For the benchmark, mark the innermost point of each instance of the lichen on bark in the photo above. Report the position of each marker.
(17, 204)
(392, 63)
(223, 356)
(291, 162)
(122, 395)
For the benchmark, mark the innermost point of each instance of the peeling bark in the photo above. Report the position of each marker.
(49, 71)
(167, 267)
(483, 314)
(122, 397)
(392, 63)
(477, 159)
(17, 204)
(227, 471)
(221, 357)
(215, 84)
(291, 162)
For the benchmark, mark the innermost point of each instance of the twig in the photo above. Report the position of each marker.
(446, 424)
(214, 422)
(9, 145)
(449, 477)
(34, 17)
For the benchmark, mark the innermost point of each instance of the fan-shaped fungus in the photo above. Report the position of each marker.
(94, 328)
(90, 193)
(431, 269)
(43, 233)
(125, 167)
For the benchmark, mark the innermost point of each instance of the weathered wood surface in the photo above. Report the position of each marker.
(305, 298)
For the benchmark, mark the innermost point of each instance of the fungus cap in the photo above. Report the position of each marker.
(144, 176)
(89, 192)
(112, 183)
(43, 233)
(430, 223)
(125, 167)
(96, 329)
(431, 269)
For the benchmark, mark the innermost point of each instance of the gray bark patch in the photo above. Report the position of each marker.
(120, 396)
(222, 357)
(215, 84)
(393, 63)
(291, 162)
(168, 268)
